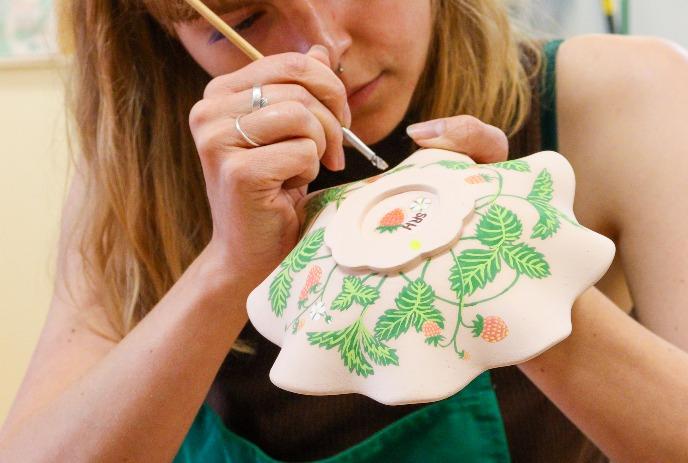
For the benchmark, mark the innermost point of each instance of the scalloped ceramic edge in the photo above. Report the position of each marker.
(440, 306)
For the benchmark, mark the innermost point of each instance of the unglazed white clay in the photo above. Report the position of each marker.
(406, 286)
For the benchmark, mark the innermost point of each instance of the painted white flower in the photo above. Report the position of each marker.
(421, 204)
(318, 310)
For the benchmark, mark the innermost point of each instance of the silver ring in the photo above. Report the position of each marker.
(243, 134)
(258, 101)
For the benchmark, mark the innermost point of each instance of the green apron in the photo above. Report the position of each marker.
(465, 427)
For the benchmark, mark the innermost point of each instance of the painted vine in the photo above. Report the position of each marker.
(499, 231)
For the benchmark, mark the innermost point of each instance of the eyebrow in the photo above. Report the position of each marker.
(178, 10)
(225, 6)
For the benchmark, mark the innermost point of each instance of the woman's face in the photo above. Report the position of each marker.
(382, 45)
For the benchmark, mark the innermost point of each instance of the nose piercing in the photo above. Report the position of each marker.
(340, 69)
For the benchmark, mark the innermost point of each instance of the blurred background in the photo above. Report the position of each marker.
(33, 144)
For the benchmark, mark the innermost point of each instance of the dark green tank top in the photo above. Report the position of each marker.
(467, 427)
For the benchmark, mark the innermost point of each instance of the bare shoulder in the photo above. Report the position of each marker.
(622, 106)
(76, 333)
(604, 66)
(620, 100)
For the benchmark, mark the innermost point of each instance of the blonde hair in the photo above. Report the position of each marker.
(146, 211)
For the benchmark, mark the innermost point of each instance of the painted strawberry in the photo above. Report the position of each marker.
(491, 329)
(477, 179)
(313, 278)
(431, 328)
(391, 221)
(373, 179)
(432, 332)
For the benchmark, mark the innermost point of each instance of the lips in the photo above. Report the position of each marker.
(351, 91)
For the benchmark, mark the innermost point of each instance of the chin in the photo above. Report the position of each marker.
(374, 128)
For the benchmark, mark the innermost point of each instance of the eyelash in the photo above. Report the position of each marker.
(242, 26)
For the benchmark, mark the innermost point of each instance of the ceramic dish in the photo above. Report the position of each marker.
(406, 286)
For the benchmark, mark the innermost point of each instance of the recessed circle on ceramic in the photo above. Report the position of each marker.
(398, 220)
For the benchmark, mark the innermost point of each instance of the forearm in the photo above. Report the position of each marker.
(138, 402)
(621, 384)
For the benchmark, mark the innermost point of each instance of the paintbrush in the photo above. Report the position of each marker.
(254, 54)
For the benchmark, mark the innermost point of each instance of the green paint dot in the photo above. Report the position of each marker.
(415, 245)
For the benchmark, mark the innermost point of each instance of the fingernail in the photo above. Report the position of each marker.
(425, 130)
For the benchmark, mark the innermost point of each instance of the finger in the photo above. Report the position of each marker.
(288, 164)
(229, 106)
(292, 67)
(466, 134)
(320, 53)
(267, 126)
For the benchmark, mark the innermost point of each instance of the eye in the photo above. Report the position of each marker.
(242, 26)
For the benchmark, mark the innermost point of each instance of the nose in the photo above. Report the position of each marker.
(321, 24)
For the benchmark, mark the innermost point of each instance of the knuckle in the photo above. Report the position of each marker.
(295, 64)
(469, 128)
(336, 97)
(198, 115)
(234, 172)
(470, 125)
(339, 90)
(207, 147)
(300, 93)
(212, 141)
(212, 87)
(309, 150)
(297, 113)
(219, 85)
(337, 135)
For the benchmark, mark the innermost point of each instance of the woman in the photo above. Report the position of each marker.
(152, 242)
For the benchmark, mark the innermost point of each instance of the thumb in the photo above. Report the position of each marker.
(464, 134)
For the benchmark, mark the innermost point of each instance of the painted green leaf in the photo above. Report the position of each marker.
(306, 250)
(348, 343)
(498, 226)
(354, 290)
(345, 298)
(478, 325)
(367, 295)
(328, 339)
(526, 260)
(334, 195)
(542, 188)
(280, 288)
(320, 201)
(548, 223)
(517, 165)
(378, 352)
(415, 305)
(392, 324)
(454, 165)
(351, 352)
(298, 258)
(434, 340)
(473, 269)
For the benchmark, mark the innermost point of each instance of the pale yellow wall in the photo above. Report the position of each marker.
(33, 173)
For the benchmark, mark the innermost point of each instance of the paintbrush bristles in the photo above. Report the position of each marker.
(224, 29)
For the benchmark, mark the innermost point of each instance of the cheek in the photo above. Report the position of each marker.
(216, 59)
(405, 40)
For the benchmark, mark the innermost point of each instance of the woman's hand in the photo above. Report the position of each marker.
(465, 134)
(252, 191)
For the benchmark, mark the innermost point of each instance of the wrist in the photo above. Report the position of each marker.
(558, 353)
(219, 278)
